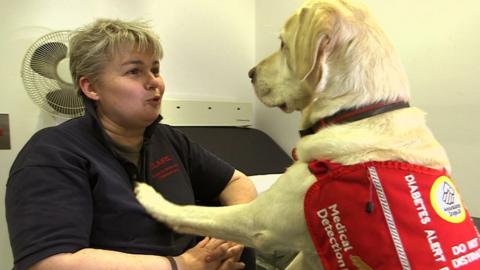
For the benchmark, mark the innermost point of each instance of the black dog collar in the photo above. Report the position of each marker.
(351, 115)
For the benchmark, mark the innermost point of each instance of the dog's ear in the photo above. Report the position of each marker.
(311, 34)
(319, 69)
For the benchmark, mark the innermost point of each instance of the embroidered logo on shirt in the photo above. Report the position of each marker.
(446, 200)
(163, 167)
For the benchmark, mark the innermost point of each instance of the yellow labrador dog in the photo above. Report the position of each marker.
(337, 66)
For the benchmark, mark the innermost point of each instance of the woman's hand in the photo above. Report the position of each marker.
(213, 254)
(232, 261)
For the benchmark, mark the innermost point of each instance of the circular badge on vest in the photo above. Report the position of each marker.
(446, 200)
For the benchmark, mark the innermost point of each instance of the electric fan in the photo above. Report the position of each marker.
(46, 76)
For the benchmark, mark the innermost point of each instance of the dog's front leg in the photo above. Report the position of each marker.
(229, 222)
(304, 261)
(273, 221)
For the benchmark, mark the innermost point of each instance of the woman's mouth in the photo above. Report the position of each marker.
(155, 101)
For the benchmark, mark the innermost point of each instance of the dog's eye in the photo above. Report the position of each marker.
(282, 45)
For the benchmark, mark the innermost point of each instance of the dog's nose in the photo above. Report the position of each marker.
(252, 74)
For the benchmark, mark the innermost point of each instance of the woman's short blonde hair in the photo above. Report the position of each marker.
(94, 45)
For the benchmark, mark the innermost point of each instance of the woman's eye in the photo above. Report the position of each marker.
(134, 71)
(155, 71)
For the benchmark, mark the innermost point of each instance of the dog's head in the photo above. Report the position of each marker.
(332, 56)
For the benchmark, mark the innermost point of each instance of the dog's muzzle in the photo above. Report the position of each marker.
(252, 74)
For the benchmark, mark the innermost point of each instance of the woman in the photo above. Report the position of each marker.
(69, 201)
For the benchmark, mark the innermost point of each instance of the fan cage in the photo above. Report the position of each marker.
(41, 79)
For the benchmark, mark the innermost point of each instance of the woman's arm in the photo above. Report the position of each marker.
(240, 189)
(88, 258)
(99, 259)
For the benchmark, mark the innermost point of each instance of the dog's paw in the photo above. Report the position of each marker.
(150, 199)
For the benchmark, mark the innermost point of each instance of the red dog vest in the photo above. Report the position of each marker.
(389, 215)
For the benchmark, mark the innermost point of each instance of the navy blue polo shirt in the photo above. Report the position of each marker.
(68, 190)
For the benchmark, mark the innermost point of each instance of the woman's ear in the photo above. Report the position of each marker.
(88, 89)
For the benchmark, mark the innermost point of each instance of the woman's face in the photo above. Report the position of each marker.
(130, 90)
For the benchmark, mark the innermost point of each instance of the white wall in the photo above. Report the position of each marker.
(209, 47)
(439, 43)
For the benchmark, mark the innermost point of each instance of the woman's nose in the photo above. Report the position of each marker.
(156, 82)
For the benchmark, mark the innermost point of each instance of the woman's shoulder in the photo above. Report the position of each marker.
(61, 133)
(53, 145)
(45, 136)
